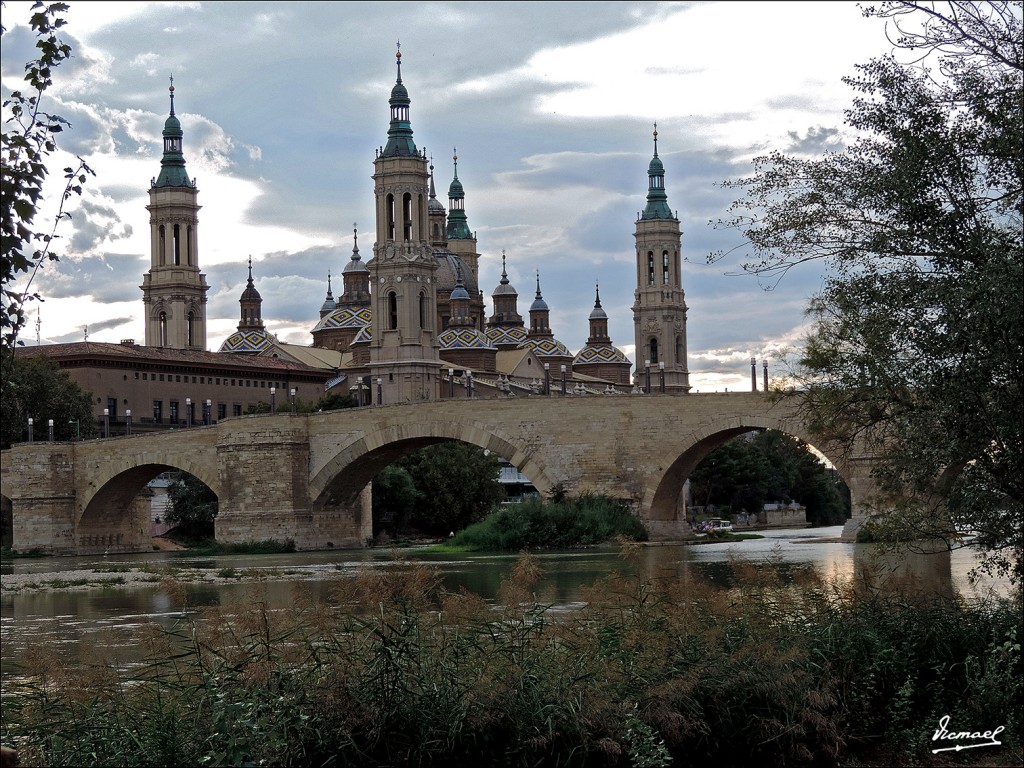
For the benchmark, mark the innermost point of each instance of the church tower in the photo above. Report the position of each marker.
(659, 308)
(174, 290)
(403, 351)
(461, 240)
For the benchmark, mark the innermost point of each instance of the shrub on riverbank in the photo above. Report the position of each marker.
(779, 669)
(207, 547)
(535, 524)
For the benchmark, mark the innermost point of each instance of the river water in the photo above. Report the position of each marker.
(104, 618)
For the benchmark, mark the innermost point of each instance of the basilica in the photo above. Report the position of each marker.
(409, 323)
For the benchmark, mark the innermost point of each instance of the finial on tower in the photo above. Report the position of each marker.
(171, 89)
(250, 268)
(597, 291)
(398, 58)
(655, 139)
(355, 241)
(455, 161)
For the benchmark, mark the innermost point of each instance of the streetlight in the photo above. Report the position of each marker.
(451, 383)
(78, 428)
(753, 374)
(188, 411)
(647, 377)
(765, 361)
(49, 424)
(208, 416)
(128, 421)
(106, 422)
(30, 422)
(273, 399)
(563, 379)
(292, 393)
(547, 378)
(380, 391)
(661, 376)
(469, 386)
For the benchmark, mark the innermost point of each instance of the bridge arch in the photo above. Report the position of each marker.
(340, 481)
(661, 498)
(112, 516)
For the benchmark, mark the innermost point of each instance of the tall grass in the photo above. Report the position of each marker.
(777, 670)
(572, 522)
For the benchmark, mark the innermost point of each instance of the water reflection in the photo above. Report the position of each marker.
(105, 619)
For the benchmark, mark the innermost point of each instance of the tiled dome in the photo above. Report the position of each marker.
(599, 355)
(345, 317)
(546, 347)
(514, 335)
(463, 338)
(246, 342)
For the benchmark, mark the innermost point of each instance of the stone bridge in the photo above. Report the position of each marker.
(306, 477)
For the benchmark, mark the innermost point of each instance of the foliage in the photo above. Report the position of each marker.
(29, 138)
(456, 484)
(536, 524)
(746, 473)
(770, 671)
(265, 547)
(916, 351)
(38, 389)
(193, 506)
(394, 497)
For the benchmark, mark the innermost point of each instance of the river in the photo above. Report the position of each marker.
(104, 617)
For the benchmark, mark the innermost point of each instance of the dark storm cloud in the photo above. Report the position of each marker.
(817, 140)
(94, 224)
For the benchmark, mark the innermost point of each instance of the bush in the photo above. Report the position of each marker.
(582, 521)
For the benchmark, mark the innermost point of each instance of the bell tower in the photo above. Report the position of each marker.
(174, 290)
(659, 307)
(404, 351)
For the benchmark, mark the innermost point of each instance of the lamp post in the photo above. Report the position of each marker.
(380, 391)
(563, 379)
(78, 428)
(451, 383)
(49, 426)
(208, 416)
(273, 399)
(128, 421)
(291, 393)
(647, 377)
(547, 378)
(469, 384)
(188, 411)
(30, 422)
(765, 361)
(106, 422)
(661, 376)
(753, 374)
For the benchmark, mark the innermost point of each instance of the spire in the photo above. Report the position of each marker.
(172, 164)
(538, 301)
(657, 198)
(598, 311)
(250, 304)
(400, 142)
(329, 304)
(458, 225)
(433, 205)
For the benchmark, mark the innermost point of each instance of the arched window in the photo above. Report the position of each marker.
(650, 267)
(407, 217)
(654, 352)
(177, 246)
(423, 310)
(389, 203)
(392, 311)
(162, 326)
(664, 267)
(680, 354)
(437, 231)
(188, 246)
(190, 330)
(162, 247)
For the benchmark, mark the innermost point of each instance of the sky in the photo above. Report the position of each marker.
(551, 107)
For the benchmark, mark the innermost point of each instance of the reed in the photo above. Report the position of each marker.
(780, 668)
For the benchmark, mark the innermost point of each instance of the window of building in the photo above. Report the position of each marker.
(664, 267)
(161, 377)
(136, 374)
(158, 411)
(145, 377)
(218, 381)
(222, 411)
(236, 410)
(392, 311)
(163, 329)
(112, 408)
(654, 352)
(650, 267)
(177, 378)
(174, 412)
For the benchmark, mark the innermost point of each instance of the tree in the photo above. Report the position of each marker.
(748, 472)
(29, 138)
(193, 507)
(917, 338)
(455, 484)
(38, 389)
